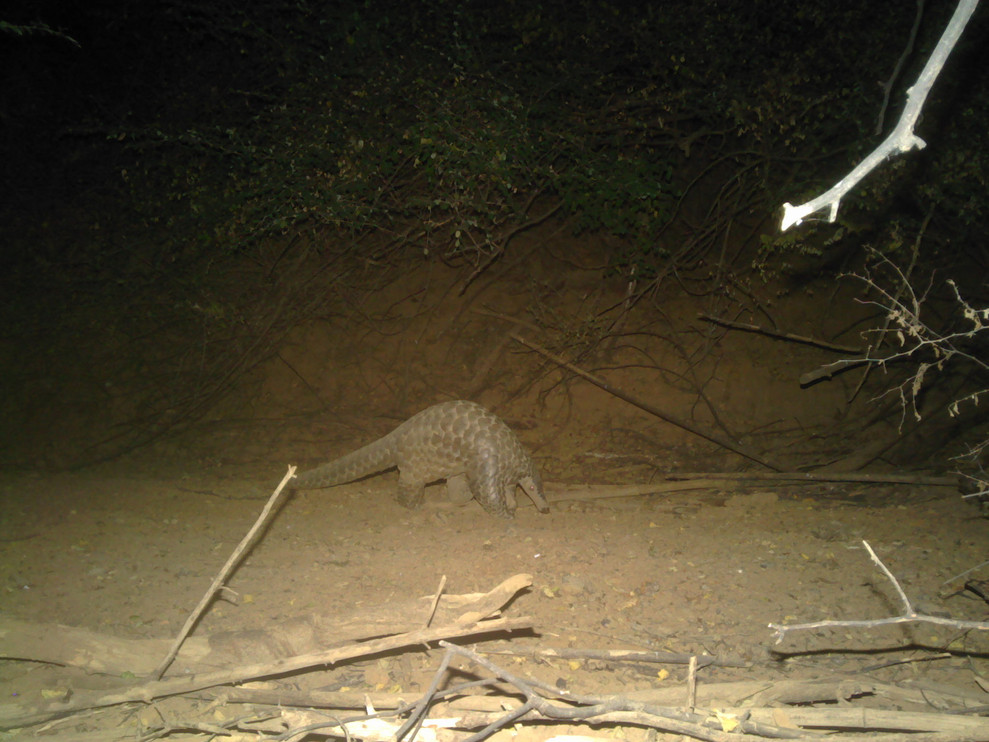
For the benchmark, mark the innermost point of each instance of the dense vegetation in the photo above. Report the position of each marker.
(151, 146)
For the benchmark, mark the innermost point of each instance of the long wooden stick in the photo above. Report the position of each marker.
(222, 575)
(908, 615)
(18, 715)
(652, 410)
(685, 481)
(759, 330)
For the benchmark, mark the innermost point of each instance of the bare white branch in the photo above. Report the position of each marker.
(909, 614)
(902, 138)
(907, 608)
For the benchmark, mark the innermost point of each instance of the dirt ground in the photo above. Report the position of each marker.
(127, 548)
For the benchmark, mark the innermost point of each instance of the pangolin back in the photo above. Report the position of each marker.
(460, 442)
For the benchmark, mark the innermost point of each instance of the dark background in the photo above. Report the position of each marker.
(171, 170)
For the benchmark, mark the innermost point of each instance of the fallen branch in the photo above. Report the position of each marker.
(110, 655)
(776, 709)
(652, 410)
(14, 715)
(909, 614)
(757, 693)
(802, 724)
(946, 727)
(560, 492)
(620, 655)
(821, 475)
(764, 708)
(745, 327)
(828, 371)
(588, 709)
(225, 570)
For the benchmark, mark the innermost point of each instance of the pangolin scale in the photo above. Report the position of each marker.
(472, 449)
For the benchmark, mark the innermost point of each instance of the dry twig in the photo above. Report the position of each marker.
(746, 327)
(651, 409)
(909, 614)
(217, 584)
(593, 709)
(14, 716)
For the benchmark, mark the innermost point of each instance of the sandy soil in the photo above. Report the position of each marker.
(127, 548)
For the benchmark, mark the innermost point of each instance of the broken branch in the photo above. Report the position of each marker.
(652, 410)
(15, 715)
(746, 327)
(909, 615)
(233, 561)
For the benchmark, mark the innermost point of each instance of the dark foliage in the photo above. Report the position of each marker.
(151, 148)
